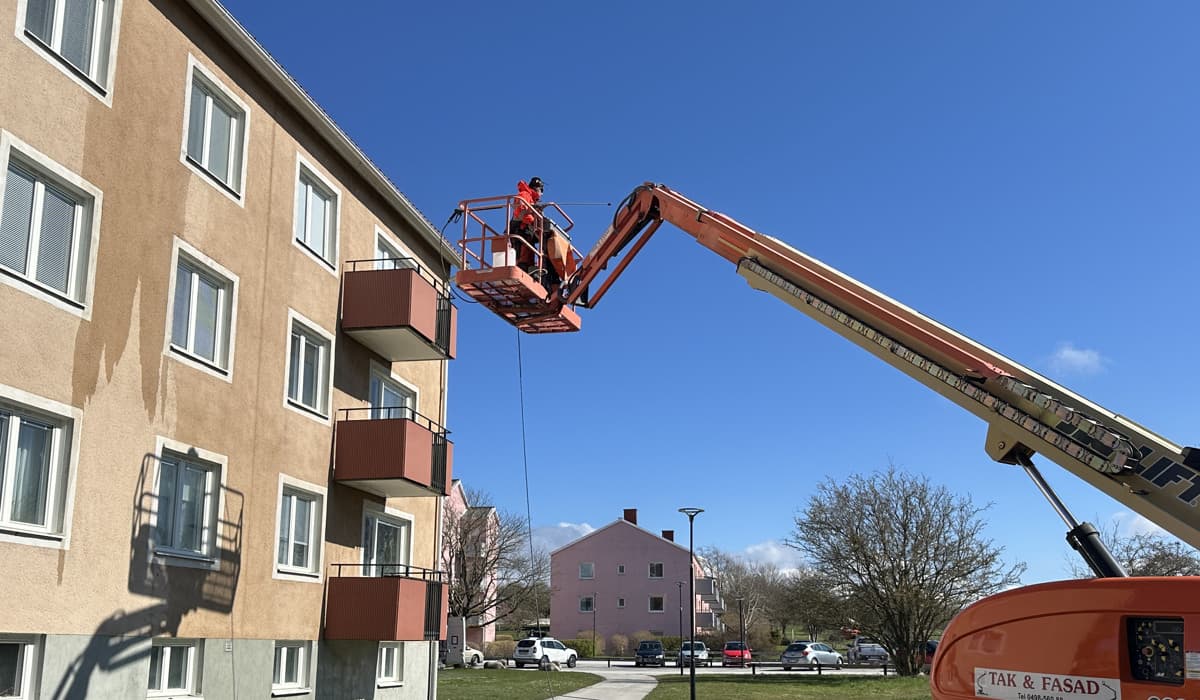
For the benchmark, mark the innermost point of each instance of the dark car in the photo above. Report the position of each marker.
(650, 653)
(930, 649)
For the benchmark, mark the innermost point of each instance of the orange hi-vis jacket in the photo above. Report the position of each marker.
(523, 204)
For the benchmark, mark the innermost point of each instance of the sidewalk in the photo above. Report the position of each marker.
(618, 684)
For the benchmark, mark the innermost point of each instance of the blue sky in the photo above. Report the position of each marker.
(1026, 173)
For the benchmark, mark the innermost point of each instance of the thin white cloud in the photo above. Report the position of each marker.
(774, 552)
(1068, 358)
(1130, 524)
(551, 537)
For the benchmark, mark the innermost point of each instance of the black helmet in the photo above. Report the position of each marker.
(536, 183)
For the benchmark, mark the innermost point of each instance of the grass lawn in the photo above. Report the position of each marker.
(793, 687)
(509, 684)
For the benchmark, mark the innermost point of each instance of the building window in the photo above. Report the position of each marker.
(391, 663)
(389, 397)
(187, 491)
(656, 569)
(174, 667)
(16, 666)
(620, 602)
(587, 569)
(587, 604)
(316, 215)
(216, 131)
(301, 515)
(308, 368)
(77, 32)
(387, 544)
(620, 569)
(46, 228)
(656, 603)
(33, 457)
(291, 665)
(202, 310)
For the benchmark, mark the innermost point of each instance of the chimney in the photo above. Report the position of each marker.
(631, 515)
(669, 535)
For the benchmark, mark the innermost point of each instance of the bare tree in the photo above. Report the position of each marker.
(1144, 554)
(754, 582)
(487, 554)
(910, 555)
(811, 599)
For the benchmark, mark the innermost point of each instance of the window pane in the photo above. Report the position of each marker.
(195, 143)
(10, 668)
(310, 372)
(32, 469)
(218, 142)
(207, 299)
(300, 533)
(16, 219)
(54, 247)
(78, 27)
(285, 524)
(168, 474)
(191, 509)
(318, 220)
(302, 212)
(156, 668)
(183, 300)
(294, 367)
(291, 668)
(39, 18)
(177, 668)
(275, 676)
(389, 544)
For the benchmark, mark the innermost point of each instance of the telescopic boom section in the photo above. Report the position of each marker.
(1026, 413)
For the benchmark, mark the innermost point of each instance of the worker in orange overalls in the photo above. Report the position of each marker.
(525, 228)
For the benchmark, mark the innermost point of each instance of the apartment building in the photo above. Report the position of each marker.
(222, 375)
(622, 579)
(470, 556)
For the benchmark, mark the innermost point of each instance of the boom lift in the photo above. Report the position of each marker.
(1105, 638)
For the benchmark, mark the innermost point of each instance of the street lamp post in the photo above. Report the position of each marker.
(594, 596)
(741, 622)
(691, 514)
(679, 662)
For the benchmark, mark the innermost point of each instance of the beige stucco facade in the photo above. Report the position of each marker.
(107, 368)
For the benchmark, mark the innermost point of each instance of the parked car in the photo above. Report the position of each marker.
(471, 655)
(534, 650)
(735, 654)
(930, 650)
(649, 653)
(864, 650)
(689, 654)
(810, 654)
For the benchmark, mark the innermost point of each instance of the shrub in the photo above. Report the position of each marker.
(672, 644)
(618, 645)
(504, 638)
(500, 649)
(641, 636)
(583, 645)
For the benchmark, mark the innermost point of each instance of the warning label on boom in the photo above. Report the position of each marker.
(1025, 685)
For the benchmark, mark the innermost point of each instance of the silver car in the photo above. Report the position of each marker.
(810, 654)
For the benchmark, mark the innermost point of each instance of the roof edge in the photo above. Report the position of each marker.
(246, 46)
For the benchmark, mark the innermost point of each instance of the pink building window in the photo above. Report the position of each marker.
(656, 569)
(587, 569)
(587, 603)
(656, 603)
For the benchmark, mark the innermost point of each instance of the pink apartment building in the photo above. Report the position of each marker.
(623, 579)
(468, 556)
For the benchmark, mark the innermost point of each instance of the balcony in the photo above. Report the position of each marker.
(398, 310)
(706, 588)
(707, 621)
(386, 603)
(391, 452)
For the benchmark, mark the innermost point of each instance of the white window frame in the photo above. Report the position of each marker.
(194, 654)
(650, 604)
(235, 192)
(64, 459)
(303, 669)
(87, 226)
(218, 466)
(591, 570)
(589, 601)
(306, 169)
(324, 380)
(30, 660)
(98, 86)
(385, 242)
(385, 373)
(650, 570)
(397, 518)
(316, 546)
(393, 677)
(227, 330)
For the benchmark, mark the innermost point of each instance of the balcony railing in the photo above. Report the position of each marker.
(398, 309)
(386, 603)
(392, 452)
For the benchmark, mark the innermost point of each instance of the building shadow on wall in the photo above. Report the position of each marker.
(180, 585)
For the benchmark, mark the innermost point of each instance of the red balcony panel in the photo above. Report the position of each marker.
(398, 313)
(385, 609)
(392, 456)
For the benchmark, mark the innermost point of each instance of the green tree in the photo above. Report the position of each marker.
(909, 555)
